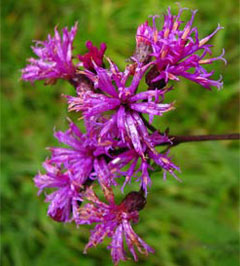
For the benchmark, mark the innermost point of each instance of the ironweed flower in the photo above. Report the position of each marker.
(117, 141)
(114, 221)
(176, 51)
(55, 58)
(85, 157)
(64, 201)
(139, 167)
(126, 105)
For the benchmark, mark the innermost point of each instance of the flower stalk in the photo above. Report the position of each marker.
(176, 140)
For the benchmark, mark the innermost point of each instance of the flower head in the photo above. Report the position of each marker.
(121, 104)
(139, 167)
(54, 58)
(177, 50)
(64, 201)
(114, 221)
(84, 157)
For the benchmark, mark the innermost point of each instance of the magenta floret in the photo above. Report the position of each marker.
(114, 221)
(177, 50)
(54, 58)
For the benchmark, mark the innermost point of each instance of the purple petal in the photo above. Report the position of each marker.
(133, 133)
(151, 108)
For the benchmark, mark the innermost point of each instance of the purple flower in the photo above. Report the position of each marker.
(120, 104)
(177, 51)
(93, 55)
(117, 141)
(165, 163)
(84, 157)
(65, 200)
(140, 166)
(114, 221)
(54, 58)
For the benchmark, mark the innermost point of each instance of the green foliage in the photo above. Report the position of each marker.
(193, 223)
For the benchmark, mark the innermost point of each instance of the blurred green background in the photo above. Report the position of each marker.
(193, 223)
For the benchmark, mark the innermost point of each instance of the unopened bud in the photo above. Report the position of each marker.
(134, 201)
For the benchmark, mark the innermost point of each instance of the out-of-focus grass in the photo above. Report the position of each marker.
(193, 223)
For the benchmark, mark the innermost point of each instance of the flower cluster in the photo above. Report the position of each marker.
(119, 144)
